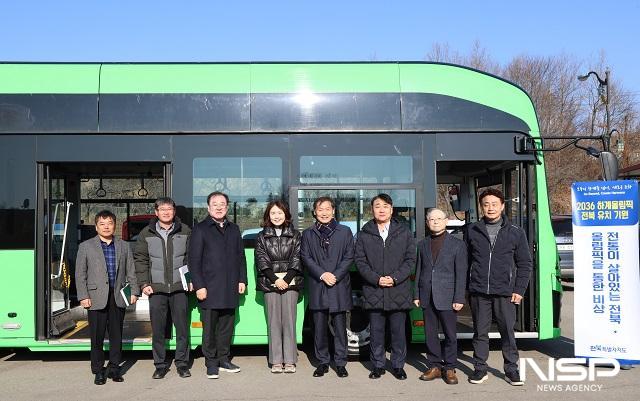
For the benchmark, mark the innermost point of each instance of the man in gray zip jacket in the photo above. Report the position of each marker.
(161, 249)
(498, 278)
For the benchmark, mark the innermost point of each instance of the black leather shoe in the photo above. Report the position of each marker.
(184, 372)
(100, 379)
(399, 373)
(321, 370)
(115, 375)
(342, 371)
(376, 373)
(160, 373)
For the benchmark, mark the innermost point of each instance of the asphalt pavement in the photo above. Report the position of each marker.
(26, 375)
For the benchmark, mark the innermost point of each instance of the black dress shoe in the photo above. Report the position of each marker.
(399, 373)
(376, 373)
(115, 375)
(321, 370)
(342, 371)
(184, 372)
(160, 373)
(100, 378)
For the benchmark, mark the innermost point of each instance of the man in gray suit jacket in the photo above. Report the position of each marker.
(441, 278)
(103, 266)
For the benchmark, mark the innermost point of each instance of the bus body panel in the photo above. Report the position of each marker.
(17, 309)
(185, 115)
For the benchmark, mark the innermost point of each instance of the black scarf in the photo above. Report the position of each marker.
(326, 230)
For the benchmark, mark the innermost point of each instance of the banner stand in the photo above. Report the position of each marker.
(606, 270)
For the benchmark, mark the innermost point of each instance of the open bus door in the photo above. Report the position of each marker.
(56, 227)
(460, 184)
(69, 196)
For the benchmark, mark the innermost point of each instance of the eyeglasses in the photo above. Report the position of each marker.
(436, 220)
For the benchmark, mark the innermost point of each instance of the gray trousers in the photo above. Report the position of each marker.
(483, 308)
(281, 316)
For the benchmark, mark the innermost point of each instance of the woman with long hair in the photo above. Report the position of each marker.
(280, 277)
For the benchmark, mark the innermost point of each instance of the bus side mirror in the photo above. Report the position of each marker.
(609, 166)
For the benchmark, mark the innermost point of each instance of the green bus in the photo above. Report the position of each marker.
(79, 137)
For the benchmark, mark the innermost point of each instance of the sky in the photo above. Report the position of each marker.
(327, 30)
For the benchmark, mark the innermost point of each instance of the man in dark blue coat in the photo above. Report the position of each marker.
(219, 274)
(327, 254)
(498, 278)
(441, 279)
(385, 257)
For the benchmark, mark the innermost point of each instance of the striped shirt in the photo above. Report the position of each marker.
(109, 251)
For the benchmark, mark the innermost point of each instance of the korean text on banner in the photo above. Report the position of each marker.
(606, 271)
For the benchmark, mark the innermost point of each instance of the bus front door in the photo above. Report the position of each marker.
(57, 209)
(69, 196)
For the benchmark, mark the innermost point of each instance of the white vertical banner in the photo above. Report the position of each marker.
(606, 270)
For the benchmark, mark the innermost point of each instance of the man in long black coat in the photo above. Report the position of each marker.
(385, 257)
(327, 254)
(219, 274)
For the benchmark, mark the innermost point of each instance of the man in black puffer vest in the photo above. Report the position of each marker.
(498, 278)
(161, 249)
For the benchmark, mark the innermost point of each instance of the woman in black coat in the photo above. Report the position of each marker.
(280, 277)
(385, 256)
(327, 253)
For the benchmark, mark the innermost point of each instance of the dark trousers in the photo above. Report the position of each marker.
(217, 331)
(483, 307)
(397, 320)
(321, 336)
(111, 317)
(161, 306)
(440, 355)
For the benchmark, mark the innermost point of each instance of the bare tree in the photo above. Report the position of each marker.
(442, 53)
(565, 107)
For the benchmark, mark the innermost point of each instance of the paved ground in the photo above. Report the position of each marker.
(65, 376)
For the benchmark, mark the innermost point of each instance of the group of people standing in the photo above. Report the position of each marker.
(492, 265)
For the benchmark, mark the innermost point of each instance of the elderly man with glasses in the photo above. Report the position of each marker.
(441, 278)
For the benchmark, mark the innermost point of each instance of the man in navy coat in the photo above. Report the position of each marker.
(441, 278)
(327, 253)
(219, 275)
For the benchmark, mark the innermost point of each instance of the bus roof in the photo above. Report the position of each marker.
(305, 81)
